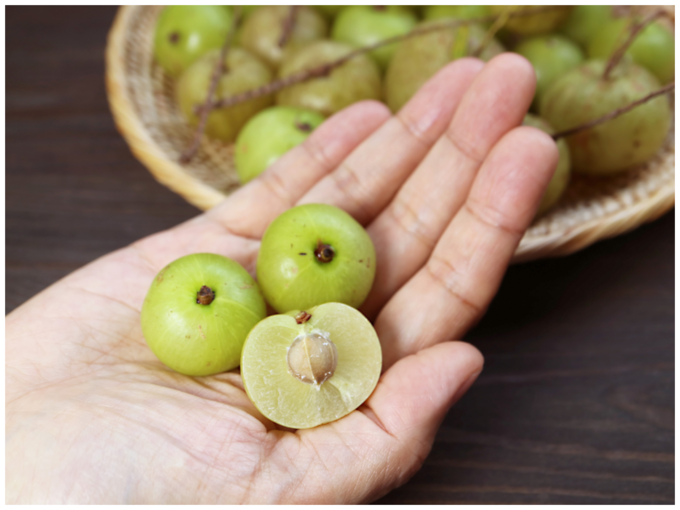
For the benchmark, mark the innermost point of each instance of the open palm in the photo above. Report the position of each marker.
(445, 189)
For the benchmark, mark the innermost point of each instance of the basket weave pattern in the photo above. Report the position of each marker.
(143, 106)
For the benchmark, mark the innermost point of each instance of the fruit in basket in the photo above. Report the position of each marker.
(560, 179)
(314, 254)
(198, 312)
(270, 134)
(186, 32)
(307, 368)
(456, 11)
(363, 25)
(417, 59)
(551, 56)
(243, 72)
(263, 31)
(653, 48)
(533, 24)
(583, 95)
(355, 80)
(585, 21)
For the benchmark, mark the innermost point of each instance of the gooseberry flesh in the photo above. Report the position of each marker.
(198, 312)
(306, 368)
(314, 254)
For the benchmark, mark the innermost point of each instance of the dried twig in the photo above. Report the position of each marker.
(288, 25)
(325, 69)
(190, 152)
(616, 113)
(634, 31)
(493, 29)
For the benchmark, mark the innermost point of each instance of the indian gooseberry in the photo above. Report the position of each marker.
(560, 179)
(551, 56)
(306, 368)
(186, 32)
(263, 32)
(585, 21)
(456, 11)
(583, 95)
(314, 254)
(198, 312)
(417, 59)
(243, 72)
(533, 24)
(355, 80)
(270, 134)
(363, 25)
(653, 48)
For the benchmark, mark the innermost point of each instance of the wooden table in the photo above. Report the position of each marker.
(576, 402)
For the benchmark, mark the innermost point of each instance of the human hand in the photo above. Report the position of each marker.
(445, 188)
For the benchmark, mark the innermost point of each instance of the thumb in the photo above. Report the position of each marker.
(414, 395)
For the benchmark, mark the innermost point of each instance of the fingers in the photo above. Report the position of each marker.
(453, 289)
(407, 230)
(366, 181)
(249, 210)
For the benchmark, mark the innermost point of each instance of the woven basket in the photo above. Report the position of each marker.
(141, 99)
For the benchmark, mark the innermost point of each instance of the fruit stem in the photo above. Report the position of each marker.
(205, 296)
(302, 317)
(621, 50)
(616, 113)
(288, 25)
(206, 108)
(324, 252)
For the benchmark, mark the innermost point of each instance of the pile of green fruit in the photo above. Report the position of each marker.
(316, 361)
(569, 47)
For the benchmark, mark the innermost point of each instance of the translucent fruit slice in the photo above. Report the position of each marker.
(303, 369)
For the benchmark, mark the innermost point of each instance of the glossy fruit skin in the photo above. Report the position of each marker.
(560, 179)
(290, 275)
(653, 48)
(245, 72)
(262, 31)
(289, 402)
(184, 33)
(195, 339)
(585, 21)
(456, 11)
(533, 24)
(356, 80)
(551, 56)
(363, 25)
(417, 59)
(270, 134)
(631, 139)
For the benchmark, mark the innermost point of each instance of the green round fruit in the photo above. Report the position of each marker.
(198, 312)
(585, 21)
(270, 134)
(355, 80)
(582, 95)
(262, 31)
(551, 56)
(533, 24)
(186, 32)
(560, 179)
(419, 58)
(304, 369)
(363, 25)
(653, 48)
(456, 11)
(244, 72)
(314, 254)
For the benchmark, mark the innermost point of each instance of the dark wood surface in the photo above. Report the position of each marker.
(576, 402)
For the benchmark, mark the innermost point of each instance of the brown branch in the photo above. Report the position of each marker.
(616, 113)
(621, 50)
(325, 69)
(288, 26)
(493, 30)
(207, 107)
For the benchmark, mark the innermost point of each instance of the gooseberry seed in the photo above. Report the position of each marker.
(312, 358)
